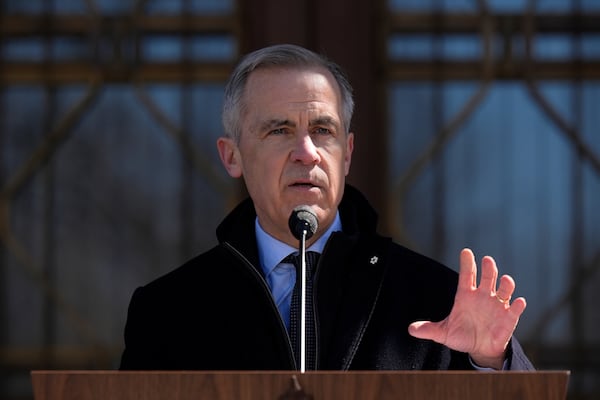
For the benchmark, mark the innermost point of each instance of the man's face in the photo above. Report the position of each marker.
(293, 149)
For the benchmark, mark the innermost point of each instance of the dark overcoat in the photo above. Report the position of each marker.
(216, 311)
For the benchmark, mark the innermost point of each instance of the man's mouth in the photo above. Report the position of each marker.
(303, 184)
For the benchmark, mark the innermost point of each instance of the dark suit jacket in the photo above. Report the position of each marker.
(217, 313)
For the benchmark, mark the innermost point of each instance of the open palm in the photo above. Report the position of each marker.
(482, 319)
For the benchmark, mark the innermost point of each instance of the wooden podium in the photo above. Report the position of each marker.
(288, 385)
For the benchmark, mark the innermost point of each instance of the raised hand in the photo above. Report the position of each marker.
(482, 319)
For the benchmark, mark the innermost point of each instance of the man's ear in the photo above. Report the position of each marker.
(349, 150)
(230, 156)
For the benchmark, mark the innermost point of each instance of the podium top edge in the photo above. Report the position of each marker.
(195, 372)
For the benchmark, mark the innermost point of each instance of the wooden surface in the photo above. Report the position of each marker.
(151, 385)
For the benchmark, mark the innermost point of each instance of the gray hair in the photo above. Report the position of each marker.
(283, 55)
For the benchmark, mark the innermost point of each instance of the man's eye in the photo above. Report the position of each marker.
(278, 131)
(322, 131)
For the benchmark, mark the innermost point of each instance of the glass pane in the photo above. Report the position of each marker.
(201, 48)
(553, 47)
(197, 6)
(16, 6)
(121, 7)
(566, 47)
(590, 47)
(23, 49)
(567, 6)
(517, 6)
(411, 47)
(71, 49)
(425, 5)
(449, 47)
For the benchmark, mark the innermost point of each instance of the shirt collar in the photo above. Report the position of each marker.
(271, 251)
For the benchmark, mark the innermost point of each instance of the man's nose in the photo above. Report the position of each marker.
(305, 150)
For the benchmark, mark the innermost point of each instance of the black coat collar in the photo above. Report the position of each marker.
(356, 214)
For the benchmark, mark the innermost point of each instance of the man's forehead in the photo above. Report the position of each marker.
(273, 96)
(309, 106)
(286, 76)
(311, 119)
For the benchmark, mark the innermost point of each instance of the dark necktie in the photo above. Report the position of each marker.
(312, 258)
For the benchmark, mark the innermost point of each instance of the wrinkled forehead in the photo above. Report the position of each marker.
(298, 89)
(287, 79)
(292, 98)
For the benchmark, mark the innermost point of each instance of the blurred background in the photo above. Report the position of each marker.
(476, 126)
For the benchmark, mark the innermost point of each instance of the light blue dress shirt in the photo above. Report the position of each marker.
(281, 277)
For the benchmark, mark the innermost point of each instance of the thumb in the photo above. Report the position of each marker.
(425, 330)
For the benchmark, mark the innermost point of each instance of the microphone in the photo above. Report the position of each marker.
(303, 224)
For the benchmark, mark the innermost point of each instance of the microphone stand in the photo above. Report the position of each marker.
(303, 224)
(303, 302)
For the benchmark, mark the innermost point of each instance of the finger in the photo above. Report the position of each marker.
(517, 307)
(489, 274)
(467, 277)
(505, 289)
(426, 330)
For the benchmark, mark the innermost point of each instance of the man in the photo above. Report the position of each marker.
(286, 115)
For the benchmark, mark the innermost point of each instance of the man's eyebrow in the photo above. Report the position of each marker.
(274, 123)
(324, 120)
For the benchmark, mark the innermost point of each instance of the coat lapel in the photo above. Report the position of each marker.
(347, 288)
